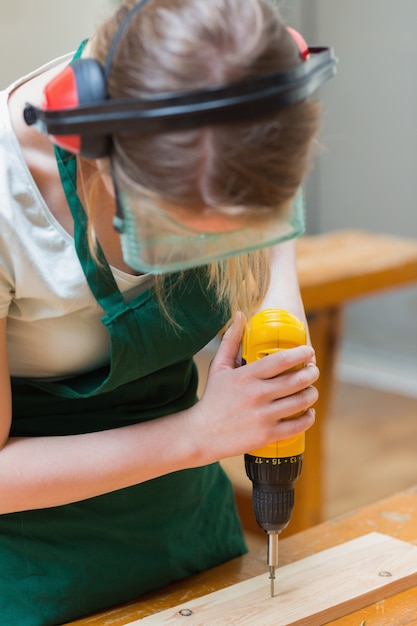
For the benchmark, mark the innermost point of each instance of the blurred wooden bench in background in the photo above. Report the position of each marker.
(334, 268)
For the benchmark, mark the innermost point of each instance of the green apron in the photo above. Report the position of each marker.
(65, 562)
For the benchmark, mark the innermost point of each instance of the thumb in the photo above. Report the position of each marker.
(227, 354)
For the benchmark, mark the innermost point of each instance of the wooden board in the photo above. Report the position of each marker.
(309, 592)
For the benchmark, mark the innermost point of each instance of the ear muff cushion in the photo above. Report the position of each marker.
(81, 82)
(90, 80)
(91, 88)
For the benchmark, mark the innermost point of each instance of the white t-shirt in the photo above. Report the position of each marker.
(54, 327)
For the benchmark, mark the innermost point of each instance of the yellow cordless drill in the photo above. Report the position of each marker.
(274, 468)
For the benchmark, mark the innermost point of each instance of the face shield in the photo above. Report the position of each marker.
(153, 241)
(84, 120)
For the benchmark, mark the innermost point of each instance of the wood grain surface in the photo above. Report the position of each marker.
(310, 592)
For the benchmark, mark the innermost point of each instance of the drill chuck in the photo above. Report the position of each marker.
(273, 489)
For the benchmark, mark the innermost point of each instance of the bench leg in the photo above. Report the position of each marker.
(325, 331)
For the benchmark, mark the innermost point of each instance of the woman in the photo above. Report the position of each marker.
(109, 468)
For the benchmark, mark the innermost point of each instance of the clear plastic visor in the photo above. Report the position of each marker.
(154, 242)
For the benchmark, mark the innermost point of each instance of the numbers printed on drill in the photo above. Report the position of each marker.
(260, 460)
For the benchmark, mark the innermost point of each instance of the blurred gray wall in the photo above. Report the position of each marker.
(366, 176)
(33, 32)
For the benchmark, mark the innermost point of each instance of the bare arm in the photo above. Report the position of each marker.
(284, 290)
(240, 409)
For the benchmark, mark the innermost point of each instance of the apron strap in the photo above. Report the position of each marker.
(98, 273)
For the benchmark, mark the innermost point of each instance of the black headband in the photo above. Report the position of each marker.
(242, 100)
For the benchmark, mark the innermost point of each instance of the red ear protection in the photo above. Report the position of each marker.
(82, 82)
(301, 43)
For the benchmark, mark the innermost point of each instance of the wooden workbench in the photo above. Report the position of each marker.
(334, 269)
(395, 516)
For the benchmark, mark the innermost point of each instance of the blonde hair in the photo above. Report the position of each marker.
(180, 45)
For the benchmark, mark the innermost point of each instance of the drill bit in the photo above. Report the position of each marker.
(272, 579)
(272, 557)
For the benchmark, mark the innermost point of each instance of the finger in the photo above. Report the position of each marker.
(292, 427)
(292, 382)
(228, 351)
(275, 364)
(288, 385)
(294, 405)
